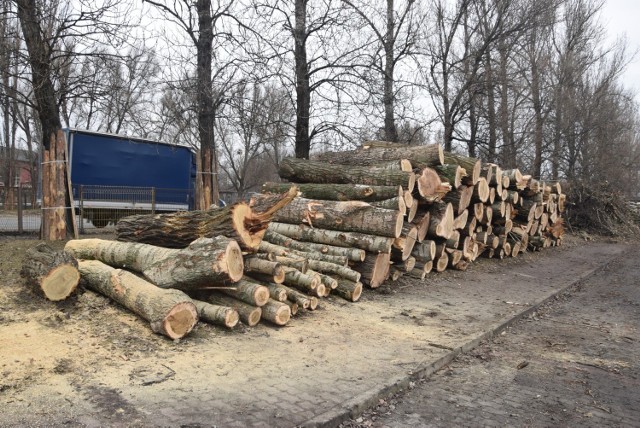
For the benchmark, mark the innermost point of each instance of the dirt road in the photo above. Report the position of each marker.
(574, 362)
(88, 362)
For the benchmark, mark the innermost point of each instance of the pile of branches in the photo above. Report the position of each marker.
(601, 209)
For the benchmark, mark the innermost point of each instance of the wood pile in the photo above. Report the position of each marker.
(411, 210)
(363, 217)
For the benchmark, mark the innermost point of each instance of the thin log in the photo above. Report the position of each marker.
(370, 243)
(442, 262)
(277, 292)
(441, 222)
(424, 251)
(336, 192)
(349, 290)
(353, 254)
(293, 295)
(279, 250)
(215, 314)
(170, 312)
(249, 315)
(452, 174)
(332, 268)
(249, 292)
(271, 269)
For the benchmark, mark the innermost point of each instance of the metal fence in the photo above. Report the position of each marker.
(19, 210)
(97, 208)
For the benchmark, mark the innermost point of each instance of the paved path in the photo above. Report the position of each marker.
(319, 370)
(574, 362)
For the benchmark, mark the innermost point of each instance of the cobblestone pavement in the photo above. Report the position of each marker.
(574, 362)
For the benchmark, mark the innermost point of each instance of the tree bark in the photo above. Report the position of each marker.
(370, 243)
(337, 192)
(353, 254)
(420, 156)
(306, 171)
(257, 267)
(53, 274)
(303, 90)
(279, 250)
(204, 263)
(451, 173)
(350, 216)
(170, 312)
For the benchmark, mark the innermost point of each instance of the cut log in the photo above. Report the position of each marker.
(422, 225)
(332, 268)
(170, 312)
(403, 246)
(279, 250)
(301, 264)
(276, 312)
(249, 315)
(215, 314)
(452, 174)
(350, 216)
(296, 279)
(293, 295)
(293, 306)
(328, 281)
(306, 171)
(461, 221)
(374, 269)
(277, 292)
(487, 215)
(349, 290)
(412, 211)
(424, 251)
(420, 156)
(370, 243)
(52, 274)
(455, 257)
(336, 192)
(265, 269)
(418, 273)
(471, 165)
(442, 262)
(204, 263)
(430, 187)
(249, 292)
(454, 240)
(353, 254)
(460, 199)
(480, 191)
(396, 204)
(177, 230)
(408, 264)
(441, 221)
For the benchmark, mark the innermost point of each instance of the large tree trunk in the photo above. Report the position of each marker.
(419, 156)
(170, 312)
(204, 263)
(239, 221)
(371, 243)
(305, 171)
(53, 274)
(303, 91)
(349, 216)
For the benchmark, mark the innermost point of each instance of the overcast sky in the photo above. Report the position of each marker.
(622, 17)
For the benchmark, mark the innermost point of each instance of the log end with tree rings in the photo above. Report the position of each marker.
(60, 282)
(178, 322)
(235, 263)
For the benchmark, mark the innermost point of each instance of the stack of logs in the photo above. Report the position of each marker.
(413, 209)
(365, 216)
(175, 269)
